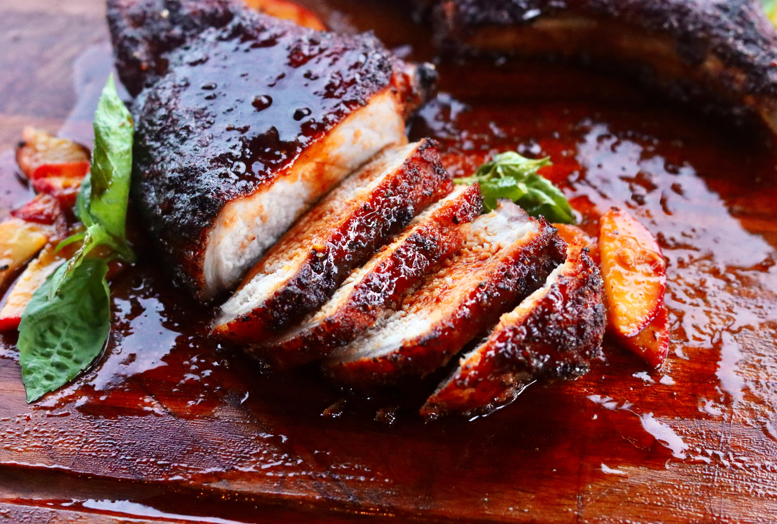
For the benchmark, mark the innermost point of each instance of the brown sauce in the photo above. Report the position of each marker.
(168, 423)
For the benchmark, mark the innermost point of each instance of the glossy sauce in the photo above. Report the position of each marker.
(170, 423)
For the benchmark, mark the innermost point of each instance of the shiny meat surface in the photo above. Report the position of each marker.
(554, 333)
(380, 284)
(144, 31)
(718, 53)
(252, 123)
(304, 269)
(506, 256)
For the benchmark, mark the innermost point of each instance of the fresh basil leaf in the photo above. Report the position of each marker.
(111, 163)
(103, 199)
(510, 175)
(60, 336)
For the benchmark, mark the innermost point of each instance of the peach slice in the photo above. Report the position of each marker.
(20, 241)
(287, 10)
(30, 280)
(652, 343)
(41, 155)
(634, 272)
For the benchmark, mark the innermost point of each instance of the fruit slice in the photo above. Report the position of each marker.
(43, 209)
(55, 166)
(19, 241)
(573, 235)
(34, 275)
(652, 343)
(288, 11)
(634, 272)
(41, 155)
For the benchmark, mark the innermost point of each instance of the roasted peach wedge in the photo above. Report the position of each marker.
(31, 279)
(287, 10)
(20, 240)
(55, 166)
(634, 272)
(652, 343)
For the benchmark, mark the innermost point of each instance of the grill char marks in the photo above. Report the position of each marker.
(252, 123)
(302, 271)
(554, 333)
(144, 31)
(431, 237)
(506, 256)
(718, 53)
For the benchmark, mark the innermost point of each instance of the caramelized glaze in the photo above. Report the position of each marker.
(170, 423)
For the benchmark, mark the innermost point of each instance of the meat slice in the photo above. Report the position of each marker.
(250, 124)
(719, 53)
(554, 333)
(367, 293)
(309, 263)
(506, 256)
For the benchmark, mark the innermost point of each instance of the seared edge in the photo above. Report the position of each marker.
(499, 283)
(350, 237)
(202, 141)
(554, 333)
(716, 52)
(381, 283)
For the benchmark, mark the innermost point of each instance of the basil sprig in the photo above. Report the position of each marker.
(66, 323)
(510, 175)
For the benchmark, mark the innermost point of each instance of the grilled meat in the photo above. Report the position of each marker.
(250, 125)
(506, 256)
(302, 271)
(554, 333)
(719, 53)
(145, 31)
(380, 284)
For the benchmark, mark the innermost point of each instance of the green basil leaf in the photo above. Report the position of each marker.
(510, 175)
(111, 163)
(103, 199)
(60, 336)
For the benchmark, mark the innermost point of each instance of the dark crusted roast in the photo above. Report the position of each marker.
(720, 53)
(507, 255)
(251, 124)
(302, 271)
(554, 333)
(380, 284)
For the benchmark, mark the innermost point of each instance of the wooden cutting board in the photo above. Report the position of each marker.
(170, 426)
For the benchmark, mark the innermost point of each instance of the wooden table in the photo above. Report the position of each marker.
(170, 426)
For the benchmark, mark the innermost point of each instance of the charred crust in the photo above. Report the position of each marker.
(198, 149)
(735, 33)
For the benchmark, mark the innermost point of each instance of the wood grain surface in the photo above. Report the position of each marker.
(170, 426)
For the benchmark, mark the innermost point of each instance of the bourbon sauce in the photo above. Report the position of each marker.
(168, 424)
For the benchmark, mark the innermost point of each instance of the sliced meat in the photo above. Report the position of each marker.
(719, 53)
(506, 256)
(554, 333)
(250, 125)
(309, 263)
(431, 237)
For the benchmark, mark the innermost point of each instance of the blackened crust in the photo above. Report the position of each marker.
(438, 236)
(554, 337)
(726, 49)
(236, 108)
(144, 31)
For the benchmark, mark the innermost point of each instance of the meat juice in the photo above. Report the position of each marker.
(170, 422)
